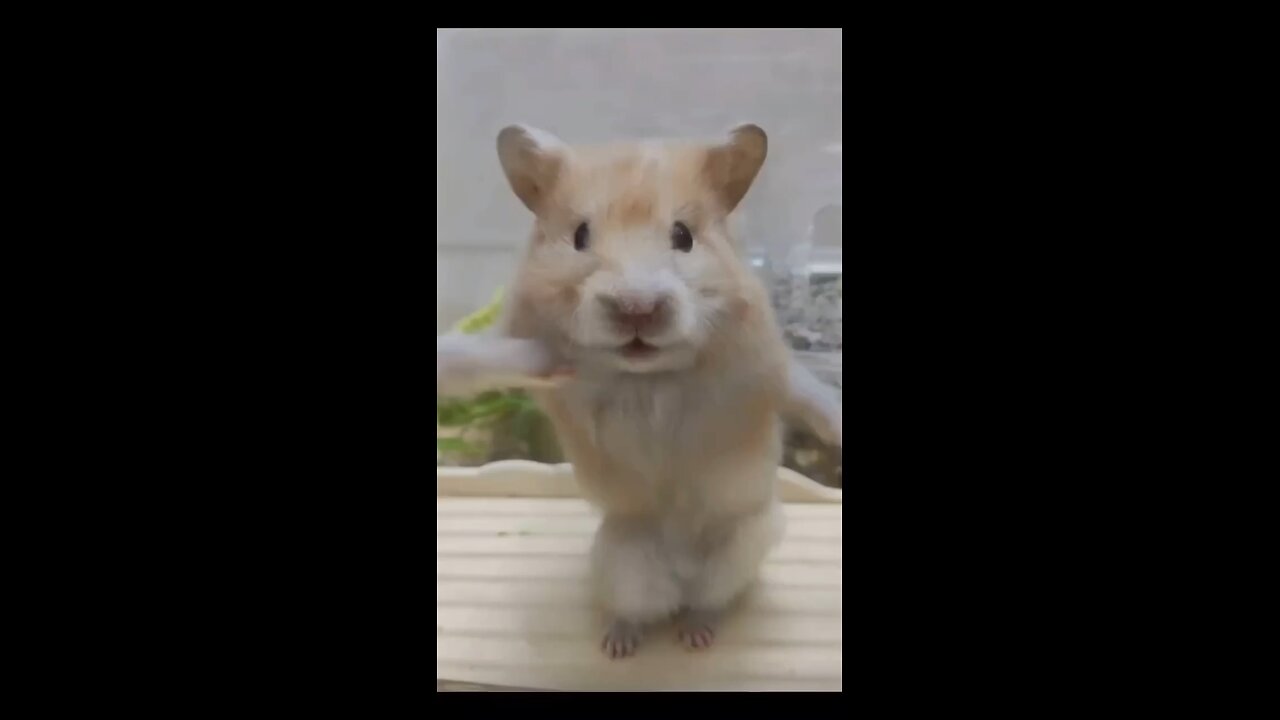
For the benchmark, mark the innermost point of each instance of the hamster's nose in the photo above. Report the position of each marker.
(636, 313)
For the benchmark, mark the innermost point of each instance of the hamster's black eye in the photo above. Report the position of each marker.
(681, 238)
(580, 237)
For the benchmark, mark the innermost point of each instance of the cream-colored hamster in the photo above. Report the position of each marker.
(671, 418)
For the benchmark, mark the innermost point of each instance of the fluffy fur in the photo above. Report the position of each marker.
(680, 372)
(467, 364)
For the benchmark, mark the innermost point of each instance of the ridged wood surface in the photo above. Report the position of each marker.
(513, 610)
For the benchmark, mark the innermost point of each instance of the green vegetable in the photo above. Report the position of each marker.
(482, 318)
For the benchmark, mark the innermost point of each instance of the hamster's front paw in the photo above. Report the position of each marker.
(528, 358)
(817, 403)
(621, 640)
(825, 417)
(829, 424)
(468, 363)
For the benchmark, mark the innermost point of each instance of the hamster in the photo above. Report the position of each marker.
(671, 416)
(468, 364)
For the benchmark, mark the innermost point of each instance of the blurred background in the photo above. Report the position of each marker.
(590, 85)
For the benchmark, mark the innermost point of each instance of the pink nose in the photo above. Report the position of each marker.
(637, 313)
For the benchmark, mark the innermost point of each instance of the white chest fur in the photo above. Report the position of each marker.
(672, 444)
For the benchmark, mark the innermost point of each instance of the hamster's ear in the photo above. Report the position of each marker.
(531, 159)
(732, 165)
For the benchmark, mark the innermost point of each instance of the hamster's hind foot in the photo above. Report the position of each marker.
(621, 639)
(696, 628)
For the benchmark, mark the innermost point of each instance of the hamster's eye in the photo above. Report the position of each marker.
(681, 238)
(580, 237)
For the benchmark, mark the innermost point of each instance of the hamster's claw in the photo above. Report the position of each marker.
(621, 640)
(696, 629)
(697, 638)
(833, 433)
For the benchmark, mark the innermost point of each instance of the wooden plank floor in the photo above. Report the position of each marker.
(513, 610)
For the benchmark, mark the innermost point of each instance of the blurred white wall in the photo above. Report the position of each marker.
(593, 85)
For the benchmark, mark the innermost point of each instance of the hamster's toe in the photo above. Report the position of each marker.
(621, 640)
(696, 629)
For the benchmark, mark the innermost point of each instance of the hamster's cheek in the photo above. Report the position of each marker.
(702, 300)
(589, 327)
(685, 325)
(554, 279)
(587, 318)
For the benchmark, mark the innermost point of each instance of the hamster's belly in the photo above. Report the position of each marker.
(641, 447)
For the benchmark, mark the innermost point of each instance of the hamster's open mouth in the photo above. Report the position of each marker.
(637, 348)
